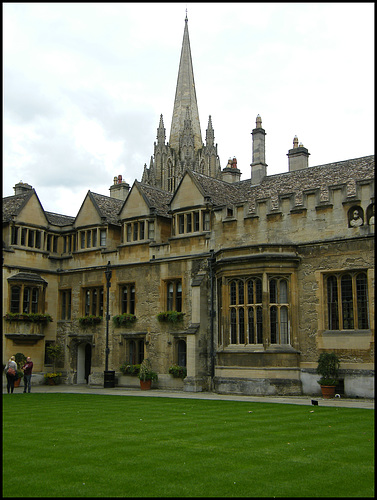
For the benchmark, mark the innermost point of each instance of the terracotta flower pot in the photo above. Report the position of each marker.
(145, 385)
(328, 391)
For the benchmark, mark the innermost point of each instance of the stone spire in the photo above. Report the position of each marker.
(185, 96)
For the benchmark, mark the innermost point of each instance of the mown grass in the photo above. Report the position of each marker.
(73, 445)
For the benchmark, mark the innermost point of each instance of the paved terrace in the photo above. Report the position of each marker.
(122, 391)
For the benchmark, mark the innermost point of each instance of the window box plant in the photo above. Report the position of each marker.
(178, 371)
(170, 316)
(146, 375)
(90, 320)
(328, 368)
(32, 317)
(125, 319)
(128, 369)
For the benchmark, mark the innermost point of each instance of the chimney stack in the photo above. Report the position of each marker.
(231, 173)
(119, 189)
(22, 188)
(298, 156)
(259, 165)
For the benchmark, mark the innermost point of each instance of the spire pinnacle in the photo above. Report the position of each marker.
(185, 96)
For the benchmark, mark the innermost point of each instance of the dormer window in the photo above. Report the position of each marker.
(191, 222)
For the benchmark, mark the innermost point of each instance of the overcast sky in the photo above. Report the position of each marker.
(86, 83)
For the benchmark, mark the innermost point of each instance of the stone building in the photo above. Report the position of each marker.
(267, 272)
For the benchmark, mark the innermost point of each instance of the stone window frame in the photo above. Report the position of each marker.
(91, 306)
(342, 306)
(173, 290)
(235, 313)
(65, 296)
(130, 307)
(33, 301)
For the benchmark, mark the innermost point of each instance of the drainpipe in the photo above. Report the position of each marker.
(211, 262)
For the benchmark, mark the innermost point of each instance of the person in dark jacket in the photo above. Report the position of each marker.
(27, 368)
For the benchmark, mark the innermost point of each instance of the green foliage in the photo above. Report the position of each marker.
(146, 372)
(20, 360)
(125, 319)
(90, 320)
(56, 377)
(170, 316)
(128, 369)
(32, 317)
(55, 352)
(178, 371)
(328, 368)
(250, 449)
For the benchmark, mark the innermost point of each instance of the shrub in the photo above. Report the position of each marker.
(178, 371)
(146, 372)
(328, 368)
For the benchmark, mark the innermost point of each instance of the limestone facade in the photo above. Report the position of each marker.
(268, 272)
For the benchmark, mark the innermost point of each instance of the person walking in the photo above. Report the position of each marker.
(27, 368)
(10, 371)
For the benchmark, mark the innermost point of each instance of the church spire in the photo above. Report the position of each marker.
(185, 96)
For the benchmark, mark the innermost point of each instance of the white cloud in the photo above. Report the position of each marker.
(85, 84)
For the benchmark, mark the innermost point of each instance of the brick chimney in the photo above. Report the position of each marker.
(259, 165)
(231, 173)
(22, 188)
(298, 157)
(119, 189)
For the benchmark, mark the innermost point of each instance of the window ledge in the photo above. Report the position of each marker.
(345, 339)
(336, 333)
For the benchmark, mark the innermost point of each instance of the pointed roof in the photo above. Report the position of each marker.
(155, 198)
(185, 96)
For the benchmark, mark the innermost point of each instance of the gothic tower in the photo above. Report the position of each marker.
(185, 149)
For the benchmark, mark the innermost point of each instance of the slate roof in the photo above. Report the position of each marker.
(108, 208)
(294, 183)
(156, 198)
(218, 192)
(31, 277)
(12, 205)
(59, 220)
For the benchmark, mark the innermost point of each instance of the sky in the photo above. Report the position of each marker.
(85, 85)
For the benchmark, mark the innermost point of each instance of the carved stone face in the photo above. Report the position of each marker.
(355, 214)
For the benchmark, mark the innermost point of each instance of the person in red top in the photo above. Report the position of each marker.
(27, 368)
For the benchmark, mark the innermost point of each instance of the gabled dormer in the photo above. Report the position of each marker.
(145, 215)
(97, 222)
(24, 220)
(190, 207)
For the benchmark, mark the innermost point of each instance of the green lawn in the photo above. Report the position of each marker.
(74, 445)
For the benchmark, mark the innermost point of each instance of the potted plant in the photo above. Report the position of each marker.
(328, 368)
(146, 375)
(20, 360)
